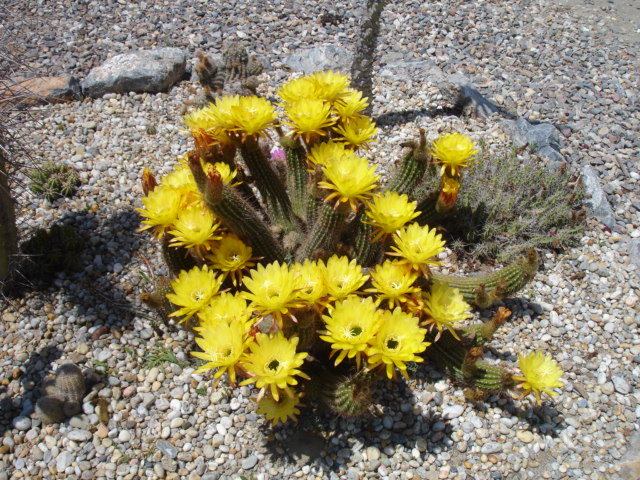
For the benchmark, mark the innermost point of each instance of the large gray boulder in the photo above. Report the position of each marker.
(542, 138)
(142, 71)
(320, 58)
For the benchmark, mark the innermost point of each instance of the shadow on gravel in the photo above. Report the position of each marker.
(87, 276)
(329, 441)
(35, 369)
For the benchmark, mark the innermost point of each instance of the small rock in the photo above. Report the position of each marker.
(78, 435)
(317, 59)
(21, 423)
(124, 436)
(596, 199)
(621, 385)
(167, 449)
(373, 453)
(491, 447)
(452, 412)
(524, 436)
(250, 462)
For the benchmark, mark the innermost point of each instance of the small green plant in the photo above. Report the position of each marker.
(53, 181)
(161, 356)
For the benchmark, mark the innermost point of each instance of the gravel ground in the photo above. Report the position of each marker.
(535, 58)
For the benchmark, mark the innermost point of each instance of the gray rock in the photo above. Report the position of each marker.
(630, 461)
(452, 412)
(142, 71)
(78, 435)
(322, 57)
(596, 199)
(250, 462)
(491, 447)
(423, 69)
(167, 449)
(62, 88)
(21, 423)
(621, 385)
(543, 138)
(64, 460)
(305, 447)
(634, 253)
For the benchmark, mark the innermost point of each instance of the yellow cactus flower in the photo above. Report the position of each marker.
(390, 211)
(273, 363)
(352, 178)
(358, 132)
(161, 207)
(309, 117)
(253, 115)
(272, 290)
(416, 245)
(199, 123)
(350, 105)
(192, 290)
(195, 227)
(298, 89)
(325, 153)
(351, 324)
(393, 281)
(445, 306)
(343, 277)
(181, 178)
(453, 150)
(279, 411)
(330, 86)
(223, 345)
(225, 172)
(310, 284)
(398, 340)
(232, 256)
(540, 373)
(228, 307)
(220, 113)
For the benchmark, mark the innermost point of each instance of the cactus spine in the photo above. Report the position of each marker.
(412, 168)
(324, 235)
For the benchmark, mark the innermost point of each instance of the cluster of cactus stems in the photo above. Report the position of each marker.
(54, 181)
(63, 394)
(300, 273)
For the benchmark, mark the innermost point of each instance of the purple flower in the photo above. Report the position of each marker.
(278, 155)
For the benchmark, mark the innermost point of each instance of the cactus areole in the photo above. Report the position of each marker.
(315, 280)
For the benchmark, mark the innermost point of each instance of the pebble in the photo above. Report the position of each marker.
(79, 435)
(21, 423)
(250, 462)
(452, 412)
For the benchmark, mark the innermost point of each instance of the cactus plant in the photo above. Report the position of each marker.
(63, 394)
(346, 287)
(51, 251)
(53, 181)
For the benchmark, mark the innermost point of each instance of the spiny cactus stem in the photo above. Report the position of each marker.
(323, 238)
(485, 289)
(482, 333)
(176, 258)
(237, 214)
(365, 251)
(469, 365)
(268, 183)
(297, 175)
(412, 168)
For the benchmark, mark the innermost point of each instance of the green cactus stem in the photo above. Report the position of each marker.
(485, 289)
(480, 334)
(364, 250)
(412, 169)
(157, 299)
(297, 175)
(465, 367)
(236, 213)
(352, 394)
(268, 184)
(323, 238)
(176, 258)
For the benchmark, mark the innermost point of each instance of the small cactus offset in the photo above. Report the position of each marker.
(308, 277)
(54, 181)
(63, 395)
